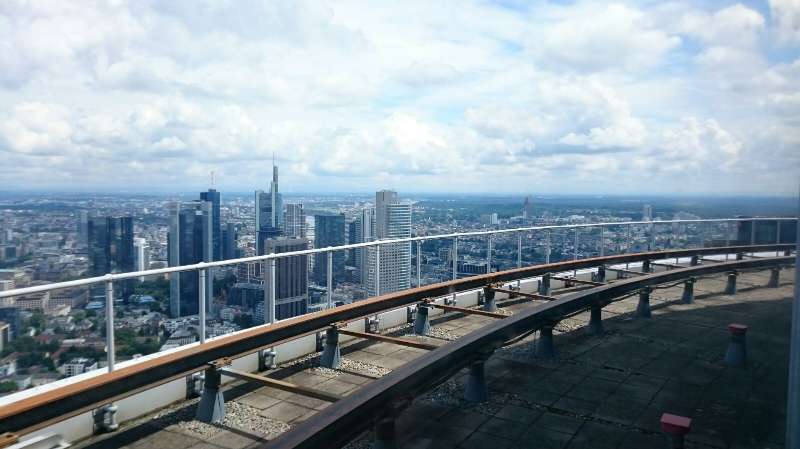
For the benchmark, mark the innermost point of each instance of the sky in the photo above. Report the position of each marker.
(512, 96)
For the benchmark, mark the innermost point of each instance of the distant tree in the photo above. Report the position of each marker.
(8, 386)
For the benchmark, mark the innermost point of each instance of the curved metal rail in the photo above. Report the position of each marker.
(35, 412)
(341, 422)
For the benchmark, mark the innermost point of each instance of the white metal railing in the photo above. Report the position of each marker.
(203, 267)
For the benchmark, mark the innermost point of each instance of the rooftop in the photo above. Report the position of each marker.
(606, 391)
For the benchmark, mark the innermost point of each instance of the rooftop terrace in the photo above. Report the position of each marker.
(599, 391)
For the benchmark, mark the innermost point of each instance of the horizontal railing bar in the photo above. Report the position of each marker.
(280, 385)
(385, 338)
(33, 412)
(252, 259)
(336, 425)
(467, 311)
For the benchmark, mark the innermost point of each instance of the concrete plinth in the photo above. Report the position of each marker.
(736, 355)
(688, 291)
(730, 287)
(211, 408)
(544, 347)
(643, 308)
(476, 389)
(330, 352)
(544, 285)
(595, 326)
(774, 278)
(422, 323)
(489, 303)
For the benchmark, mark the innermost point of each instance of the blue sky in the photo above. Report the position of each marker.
(685, 97)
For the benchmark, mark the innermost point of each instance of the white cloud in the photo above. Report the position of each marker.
(786, 17)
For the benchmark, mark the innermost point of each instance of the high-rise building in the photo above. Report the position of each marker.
(269, 213)
(83, 228)
(365, 232)
(392, 221)
(189, 242)
(351, 239)
(213, 197)
(110, 249)
(141, 255)
(294, 221)
(527, 209)
(291, 279)
(328, 231)
(647, 212)
(230, 245)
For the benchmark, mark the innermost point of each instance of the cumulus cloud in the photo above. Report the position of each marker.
(420, 96)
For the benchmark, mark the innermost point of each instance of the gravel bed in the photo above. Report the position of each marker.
(451, 394)
(363, 442)
(504, 311)
(363, 367)
(435, 332)
(238, 416)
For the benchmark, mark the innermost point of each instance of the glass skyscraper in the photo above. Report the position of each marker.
(329, 231)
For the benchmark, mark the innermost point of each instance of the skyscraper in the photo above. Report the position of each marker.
(141, 255)
(351, 239)
(230, 238)
(213, 197)
(110, 248)
(291, 279)
(189, 242)
(527, 209)
(365, 232)
(328, 231)
(269, 213)
(83, 229)
(392, 221)
(294, 221)
(647, 212)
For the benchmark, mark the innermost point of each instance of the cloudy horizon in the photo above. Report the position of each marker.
(477, 97)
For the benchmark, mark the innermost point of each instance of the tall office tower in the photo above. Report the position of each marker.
(189, 242)
(527, 209)
(392, 221)
(230, 245)
(365, 232)
(328, 231)
(294, 223)
(351, 239)
(110, 249)
(213, 197)
(647, 212)
(141, 255)
(83, 228)
(269, 213)
(291, 279)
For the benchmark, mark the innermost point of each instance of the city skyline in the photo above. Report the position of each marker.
(681, 98)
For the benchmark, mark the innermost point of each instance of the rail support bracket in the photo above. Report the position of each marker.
(105, 419)
(688, 291)
(736, 355)
(643, 307)
(331, 353)
(211, 408)
(695, 260)
(266, 359)
(600, 276)
(476, 389)
(422, 322)
(544, 285)
(489, 303)
(730, 287)
(595, 326)
(646, 266)
(774, 277)
(544, 347)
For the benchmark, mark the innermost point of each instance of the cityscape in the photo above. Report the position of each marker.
(47, 336)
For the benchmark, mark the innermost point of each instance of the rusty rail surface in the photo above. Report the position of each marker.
(345, 420)
(38, 411)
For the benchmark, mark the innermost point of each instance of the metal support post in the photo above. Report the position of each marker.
(602, 241)
(643, 308)
(736, 355)
(544, 347)
(211, 408)
(652, 236)
(688, 291)
(547, 248)
(577, 242)
(595, 321)
(105, 419)
(753, 232)
(646, 266)
(793, 390)
(630, 246)
(201, 292)
(544, 285)
(727, 237)
(272, 307)
(330, 279)
(455, 259)
(730, 287)
(777, 236)
(266, 359)
(110, 352)
(419, 263)
(695, 260)
(774, 277)
(489, 303)
(422, 323)
(702, 235)
(330, 353)
(377, 270)
(489, 255)
(476, 389)
(601, 274)
(519, 250)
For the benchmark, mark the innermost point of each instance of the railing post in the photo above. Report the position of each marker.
(652, 237)
(595, 320)
(545, 347)
(110, 350)
(377, 270)
(702, 235)
(201, 292)
(602, 241)
(730, 287)
(330, 279)
(753, 232)
(419, 263)
(575, 252)
(489, 255)
(688, 291)
(455, 258)
(270, 354)
(547, 248)
(643, 307)
(630, 245)
(727, 237)
(519, 250)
